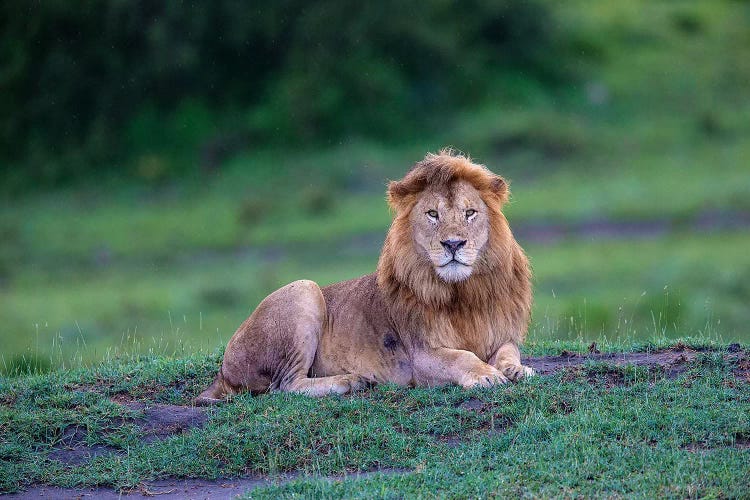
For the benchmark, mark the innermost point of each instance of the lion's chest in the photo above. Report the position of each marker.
(475, 331)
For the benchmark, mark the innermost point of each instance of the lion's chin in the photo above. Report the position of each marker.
(453, 272)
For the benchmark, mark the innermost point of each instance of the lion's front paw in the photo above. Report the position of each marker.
(487, 378)
(517, 372)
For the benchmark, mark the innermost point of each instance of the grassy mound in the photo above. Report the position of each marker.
(591, 427)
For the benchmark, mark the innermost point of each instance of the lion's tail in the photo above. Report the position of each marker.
(215, 392)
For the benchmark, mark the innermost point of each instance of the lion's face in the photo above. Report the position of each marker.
(450, 228)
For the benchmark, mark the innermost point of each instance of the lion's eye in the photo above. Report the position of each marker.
(432, 213)
(470, 212)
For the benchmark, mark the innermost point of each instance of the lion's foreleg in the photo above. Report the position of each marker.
(507, 359)
(441, 366)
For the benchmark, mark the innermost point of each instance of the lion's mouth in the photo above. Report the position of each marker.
(454, 261)
(454, 271)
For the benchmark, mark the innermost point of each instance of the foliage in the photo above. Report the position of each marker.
(162, 87)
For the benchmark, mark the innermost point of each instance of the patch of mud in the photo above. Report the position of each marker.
(494, 427)
(608, 377)
(472, 404)
(8, 399)
(742, 368)
(451, 441)
(73, 450)
(740, 441)
(672, 362)
(561, 406)
(177, 391)
(495, 423)
(167, 489)
(189, 488)
(159, 422)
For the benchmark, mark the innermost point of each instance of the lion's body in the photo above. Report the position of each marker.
(450, 301)
(376, 352)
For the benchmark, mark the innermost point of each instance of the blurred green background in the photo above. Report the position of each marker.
(166, 166)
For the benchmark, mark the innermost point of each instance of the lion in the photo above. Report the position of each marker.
(449, 303)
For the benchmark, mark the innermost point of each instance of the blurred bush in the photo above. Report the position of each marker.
(156, 88)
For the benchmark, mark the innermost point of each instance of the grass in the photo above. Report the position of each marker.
(597, 430)
(582, 289)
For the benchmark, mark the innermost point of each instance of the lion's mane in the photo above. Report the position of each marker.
(495, 299)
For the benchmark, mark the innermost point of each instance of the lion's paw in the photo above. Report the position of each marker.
(517, 372)
(486, 379)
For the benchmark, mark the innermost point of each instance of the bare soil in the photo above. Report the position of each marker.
(159, 421)
(182, 488)
(607, 228)
(73, 450)
(671, 361)
(167, 489)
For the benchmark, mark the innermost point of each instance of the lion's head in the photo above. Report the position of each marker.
(450, 227)
(449, 235)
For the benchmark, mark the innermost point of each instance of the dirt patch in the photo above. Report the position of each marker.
(602, 228)
(672, 361)
(492, 423)
(740, 441)
(472, 404)
(177, 391)
(73, 450)
(497, 424)
(742, 368)
(167, 489)
(159, 422)
(188, 488)
(451, 441)
(606, 376)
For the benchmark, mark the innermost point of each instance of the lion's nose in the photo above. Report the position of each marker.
(453, 245)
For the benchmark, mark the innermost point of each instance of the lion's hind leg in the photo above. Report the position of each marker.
(305, 329)
(321, 386)
(275, 347)
(215, 392)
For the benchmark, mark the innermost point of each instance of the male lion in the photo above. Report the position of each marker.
(449, 303)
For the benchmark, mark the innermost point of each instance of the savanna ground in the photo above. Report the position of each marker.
(630, 194)
(665, 420)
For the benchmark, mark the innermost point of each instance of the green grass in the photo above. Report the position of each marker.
(574, 433)
(582, 290)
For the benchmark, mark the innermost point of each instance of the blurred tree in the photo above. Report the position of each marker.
(92, 83)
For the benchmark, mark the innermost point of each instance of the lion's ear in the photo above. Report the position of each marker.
(499, 186)
(396, 193)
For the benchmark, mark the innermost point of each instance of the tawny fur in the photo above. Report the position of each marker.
(404, 324)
